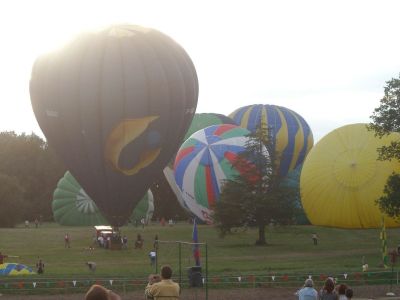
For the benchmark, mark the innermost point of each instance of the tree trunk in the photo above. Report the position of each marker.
(261, 235)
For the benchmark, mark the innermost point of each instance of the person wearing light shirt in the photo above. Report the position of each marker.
(162, 288)
(308, 292)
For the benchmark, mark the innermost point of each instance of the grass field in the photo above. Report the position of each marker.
(290, 250)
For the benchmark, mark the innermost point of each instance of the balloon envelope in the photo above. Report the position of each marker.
(73, 207)
(291, 136)
(115, 105)
(13, 269)
(292, 181)
(200, 121)
(203, 162)
(342, 177)
(203, 120)
(145, 208)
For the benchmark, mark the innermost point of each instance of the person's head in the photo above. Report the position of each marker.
(166, 272)
(98, 292)
(309, 283)
(342, 289)
(329, 285)
(349, 293)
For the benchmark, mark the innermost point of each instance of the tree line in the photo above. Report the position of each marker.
(29, 172)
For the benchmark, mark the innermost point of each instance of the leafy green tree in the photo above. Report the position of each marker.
(11, 201)
(390, 201)
(385, 120)
(29, 159)
(256, 197)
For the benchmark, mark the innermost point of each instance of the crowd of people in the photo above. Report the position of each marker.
(328, 292)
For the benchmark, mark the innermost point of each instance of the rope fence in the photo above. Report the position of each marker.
(53, 285)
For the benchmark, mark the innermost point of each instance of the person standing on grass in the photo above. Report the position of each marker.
(315, 238)
(91, 265)
(67, 241)
(2, 257)
(308, 292)
(153, 256)
(40, 267)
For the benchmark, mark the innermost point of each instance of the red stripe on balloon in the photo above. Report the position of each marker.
(209, 187)
(223, 128)
(182, 154)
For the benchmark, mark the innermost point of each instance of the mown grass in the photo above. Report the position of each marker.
(290, 250)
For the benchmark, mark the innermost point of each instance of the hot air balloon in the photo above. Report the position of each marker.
(115, 105)
(292, 181)
(200, 121)
(73, 207)
(13, 269)
(203, 120)
(342, 177)
(144, 209)
(291, 136)
(203, 162)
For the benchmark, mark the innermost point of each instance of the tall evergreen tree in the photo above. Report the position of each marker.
(255, 197)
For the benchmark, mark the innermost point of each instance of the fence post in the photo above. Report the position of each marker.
(206, 271)
(180, 263)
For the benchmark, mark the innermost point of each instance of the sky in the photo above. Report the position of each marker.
(327, 60)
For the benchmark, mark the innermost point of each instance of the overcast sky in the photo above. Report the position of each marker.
(326, 60)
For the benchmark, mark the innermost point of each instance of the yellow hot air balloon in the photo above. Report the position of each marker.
(342, 177)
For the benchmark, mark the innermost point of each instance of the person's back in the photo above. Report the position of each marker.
(342, 292)
(328, 291)
(308, 292)
(349, 294)
(324, 295)
(165, 289)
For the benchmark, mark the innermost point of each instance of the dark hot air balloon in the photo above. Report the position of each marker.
(115, 104)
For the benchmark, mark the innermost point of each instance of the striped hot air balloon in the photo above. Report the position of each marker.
(13, 269)
(291, 136)
(204, 161)
(73, 207)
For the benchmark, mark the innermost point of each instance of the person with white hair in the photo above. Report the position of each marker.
(308, 292)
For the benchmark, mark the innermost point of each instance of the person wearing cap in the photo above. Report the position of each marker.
(308, 292)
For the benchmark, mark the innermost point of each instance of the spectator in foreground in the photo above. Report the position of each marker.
(342, 291)
(165, 289)
(328, 291)
(98, 292)
(308, 292)
(349, 294)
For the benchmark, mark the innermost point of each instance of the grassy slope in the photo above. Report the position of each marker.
(290, 250)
